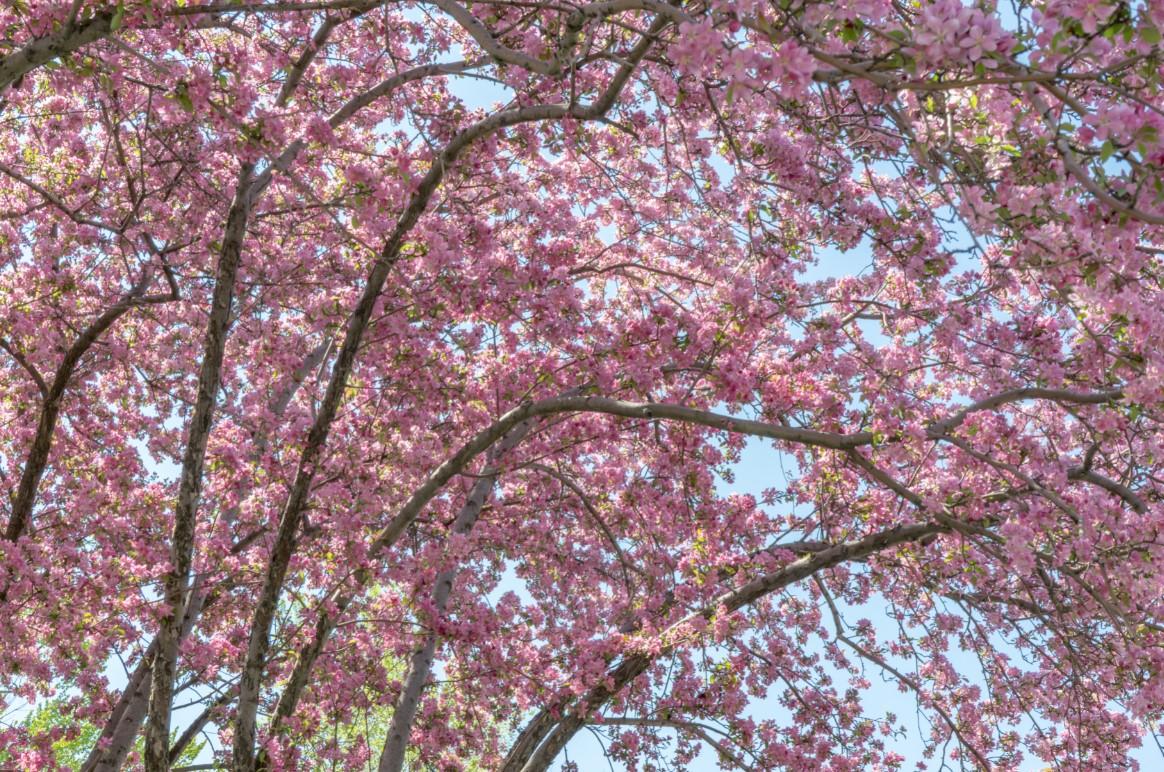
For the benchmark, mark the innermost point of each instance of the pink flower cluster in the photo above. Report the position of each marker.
(951, 33)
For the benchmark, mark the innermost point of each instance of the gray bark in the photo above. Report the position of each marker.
(69, 38)
(420, 664)
(157, 750)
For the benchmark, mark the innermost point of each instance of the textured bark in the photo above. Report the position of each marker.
(256, 188)
(304, 662)
(69, 38)
(125, 721)
(249, 190)
(123, 725)
(157, 750)
(289, 521)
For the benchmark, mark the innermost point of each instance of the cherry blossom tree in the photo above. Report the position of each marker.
(377, 358)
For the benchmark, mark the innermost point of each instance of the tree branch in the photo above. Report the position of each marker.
(38, 453)
(67, 39)
(190, 485)
(544, 737)
(283, 548)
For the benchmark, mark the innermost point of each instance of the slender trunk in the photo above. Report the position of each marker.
(123, 725)
(404, 712)
(157, 748)
(245, 723)
(246, 720)
(289, 521)
(420, 665)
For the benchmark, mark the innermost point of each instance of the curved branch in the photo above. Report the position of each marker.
(29, 368)
(490, 44)
(69, 38)
(486, 438)
(1110, 485)
(702, 731)
(420, 665)
(679, 413)
(941, 428)
(535, 750)
(1071, 160)
(38, 453)
(289, 521)
(558, 405)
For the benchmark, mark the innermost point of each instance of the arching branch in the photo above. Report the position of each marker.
(38, 454)
(283, 548)
(545, 736)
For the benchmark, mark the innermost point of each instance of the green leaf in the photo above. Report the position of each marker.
(182, 95)
(1089, 272)
(1106, 151)
(118, 17)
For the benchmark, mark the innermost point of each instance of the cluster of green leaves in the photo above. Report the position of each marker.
(79, 737)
